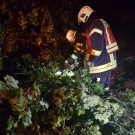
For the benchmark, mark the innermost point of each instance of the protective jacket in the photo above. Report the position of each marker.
(98, 46)
(99, 49)
(103, 47)
(80, 48)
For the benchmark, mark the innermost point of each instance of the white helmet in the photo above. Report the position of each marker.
(84, 14)
(71, 35)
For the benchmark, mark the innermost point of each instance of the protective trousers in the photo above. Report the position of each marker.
(103, 78)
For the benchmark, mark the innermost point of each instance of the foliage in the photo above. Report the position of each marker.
(71, 102)
(1, 41)
(41, 96)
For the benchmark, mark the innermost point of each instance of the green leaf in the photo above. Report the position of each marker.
(11, 82)
(90, 100)
(44, 104)
(115, 106)
(3, 86)
(36, 87)
(102, 118)
(1, 63)
(26, 117)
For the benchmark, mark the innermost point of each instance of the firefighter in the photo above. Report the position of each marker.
(103, 45)
(79, 40)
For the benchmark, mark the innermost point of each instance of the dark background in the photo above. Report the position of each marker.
(120, 14)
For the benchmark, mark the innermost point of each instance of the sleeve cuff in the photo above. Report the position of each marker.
(66, 61)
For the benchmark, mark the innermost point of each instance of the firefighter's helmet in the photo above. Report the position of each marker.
(71, 35)
(84, 14)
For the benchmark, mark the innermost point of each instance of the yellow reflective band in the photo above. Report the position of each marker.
(111, 57)
(77, 48)
(107, 34)
(95, 52)
(74, 56)
(105, 65)
(111, 45)
(104, 22)
(112, 49)
(79, 44)
(98, 79)
(103, 68)
(107, 88)
(87, 56)
(96, 30)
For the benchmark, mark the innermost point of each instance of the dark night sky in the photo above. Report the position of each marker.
(117, 12)
(120, 14)
(116, 8)
(115, 5)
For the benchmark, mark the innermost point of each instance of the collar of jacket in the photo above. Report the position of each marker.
(92, 17)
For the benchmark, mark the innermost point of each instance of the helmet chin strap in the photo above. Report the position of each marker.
(86, 18)
(80, 22)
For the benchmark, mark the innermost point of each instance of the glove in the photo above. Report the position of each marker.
(89, 64)
(76, 64)
(71, 67)
(66, 62)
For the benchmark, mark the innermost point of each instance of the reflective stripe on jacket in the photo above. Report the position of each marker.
(111, 44)
(103, 61)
